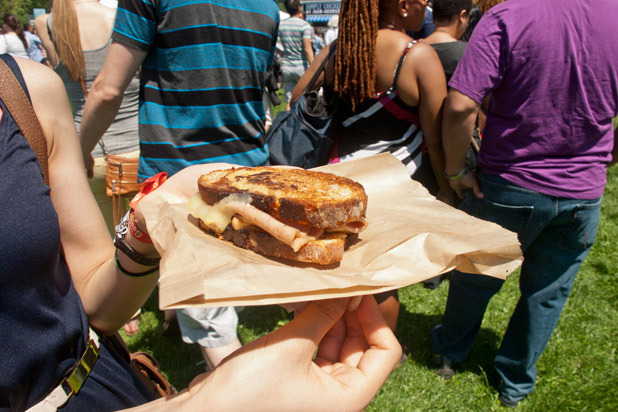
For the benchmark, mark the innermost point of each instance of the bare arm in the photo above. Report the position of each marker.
(40, 24)
(106, 94)
(109, 297)
(431, 94)
(308, 48)
(459, 116)
(306, 77)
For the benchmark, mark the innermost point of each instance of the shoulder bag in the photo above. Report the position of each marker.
(298, 137)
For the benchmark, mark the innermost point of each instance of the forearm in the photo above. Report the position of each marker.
(457, 127)
(303, 82)
(437, 159)
(110, 296)
(430, 115)
(121, 285)
(106, 93)
(40, 24)
(308, 50)
(430, 122)
(99, 113)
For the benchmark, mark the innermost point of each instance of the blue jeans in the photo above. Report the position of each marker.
(555, 235)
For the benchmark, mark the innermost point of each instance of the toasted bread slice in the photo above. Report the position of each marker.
(324, 251)
(321, 200)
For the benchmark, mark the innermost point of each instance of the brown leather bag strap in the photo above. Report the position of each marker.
(16, 101)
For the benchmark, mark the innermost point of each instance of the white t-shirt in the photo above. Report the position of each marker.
(330, 35)
(11, 44)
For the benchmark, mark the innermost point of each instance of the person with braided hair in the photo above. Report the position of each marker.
(388, 91)
(405, 108)
(14, 40)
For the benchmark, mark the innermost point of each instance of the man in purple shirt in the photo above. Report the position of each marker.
(551, 68)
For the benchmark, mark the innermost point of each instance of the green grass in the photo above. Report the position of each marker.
(277, 109)
(577, 371)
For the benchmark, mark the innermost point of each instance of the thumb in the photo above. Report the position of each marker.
(317, 319)
(476, 189)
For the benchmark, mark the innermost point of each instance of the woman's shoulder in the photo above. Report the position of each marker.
(37, 74)
(392, 41)
(40, 22)
(42, 82)
(102, 12)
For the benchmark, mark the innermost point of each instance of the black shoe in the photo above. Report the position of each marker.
(432, 283)
(445, 366)
(507, 403)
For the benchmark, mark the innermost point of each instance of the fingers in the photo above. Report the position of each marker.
(469, 181)
(317, 320)
(355, 343)
(384, 349)
(457, 187)
(329, 348)
(476, 189)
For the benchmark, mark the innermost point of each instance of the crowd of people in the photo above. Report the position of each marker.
(20, 40)
(181, 86)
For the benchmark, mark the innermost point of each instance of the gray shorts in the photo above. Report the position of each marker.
(208, 327)
(291, 76)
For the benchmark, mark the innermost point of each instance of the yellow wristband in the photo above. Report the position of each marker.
(457, 176)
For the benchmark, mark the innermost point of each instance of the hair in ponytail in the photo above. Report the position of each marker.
(65, 35)
(13, 22)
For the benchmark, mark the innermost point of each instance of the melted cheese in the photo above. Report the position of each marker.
(237, 210)
(218, 216)
(238, 223)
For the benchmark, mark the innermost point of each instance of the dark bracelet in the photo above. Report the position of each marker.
(122, 245)
(131, 274)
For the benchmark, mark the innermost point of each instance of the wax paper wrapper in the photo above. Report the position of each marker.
(411, 237)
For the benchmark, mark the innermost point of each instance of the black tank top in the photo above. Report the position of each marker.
(44, 326)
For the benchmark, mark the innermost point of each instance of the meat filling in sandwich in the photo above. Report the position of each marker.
(294, 214)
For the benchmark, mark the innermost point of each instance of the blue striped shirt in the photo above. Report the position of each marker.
(202, 79)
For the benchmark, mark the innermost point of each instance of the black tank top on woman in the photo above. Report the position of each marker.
(44, 328)
(379, 125)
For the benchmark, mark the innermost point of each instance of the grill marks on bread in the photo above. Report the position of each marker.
(317, 199)
(294, 214)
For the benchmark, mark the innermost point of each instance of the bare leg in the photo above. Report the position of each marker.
(214, 356)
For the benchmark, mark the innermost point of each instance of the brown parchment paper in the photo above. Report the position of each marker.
(411, 237)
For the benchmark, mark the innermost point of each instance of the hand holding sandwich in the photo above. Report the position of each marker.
(356, 353)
